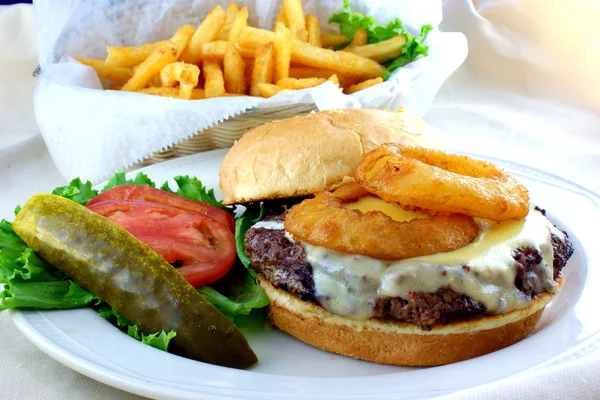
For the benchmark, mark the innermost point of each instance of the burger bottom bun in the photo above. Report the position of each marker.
(397, 343)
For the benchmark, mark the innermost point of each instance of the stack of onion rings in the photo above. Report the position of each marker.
(439, 181)
(324, 221)
(452, 189)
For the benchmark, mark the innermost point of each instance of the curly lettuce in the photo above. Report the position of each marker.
(236, 294)
(192, 188)
(30, 282)
(349, 22)
(159, 340)
(120, 179)
(77, 191)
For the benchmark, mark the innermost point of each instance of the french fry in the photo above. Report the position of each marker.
(155, 82)
(283, 52)
(360, 38)
(303, 83)
(270, 90)
(230, 14)
(108, 72)
(295, 18)
(214, 83)
(340, 62)
(224, 56)
(173, 92)
(313, 27)
(234, 71)
(185, 74)
(129, 56)
(115, 86)
(348, 80)
(163, 55)
(182, 37)
(381, 51)
(162, 91)
(334, 79)
(334, 39)
(310, 72)
(240, 21)
(252, 38)
(281, 19)
(216, 51)
(198, 94)
(363, 85)
(206, 32)
(264, 67)
(248, 72)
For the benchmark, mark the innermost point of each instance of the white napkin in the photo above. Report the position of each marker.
(92, 133)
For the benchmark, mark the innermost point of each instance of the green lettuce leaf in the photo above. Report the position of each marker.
(251, 216)
(11, 250)
(17, 260)
(30, 266)
(235, 294)
(30, 282)
(414, 47)
(44, 295)
(120, 179)
(159, 340)
(192, 188)
(349, 22)
(77, 191)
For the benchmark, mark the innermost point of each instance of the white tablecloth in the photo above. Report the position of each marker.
(529, 92)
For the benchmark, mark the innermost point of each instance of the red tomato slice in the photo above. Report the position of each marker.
(204, 246)
(147, 193)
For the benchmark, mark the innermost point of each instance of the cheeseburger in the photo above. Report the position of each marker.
(377, 246)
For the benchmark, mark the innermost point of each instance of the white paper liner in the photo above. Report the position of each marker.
(92, 133)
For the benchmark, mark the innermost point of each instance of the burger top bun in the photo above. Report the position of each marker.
(302, 155)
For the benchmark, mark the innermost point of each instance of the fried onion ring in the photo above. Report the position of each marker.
(324, 221)
(439, 181)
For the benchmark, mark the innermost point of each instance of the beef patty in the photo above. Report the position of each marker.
(284, 264)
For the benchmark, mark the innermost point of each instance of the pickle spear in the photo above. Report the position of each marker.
(132, 278)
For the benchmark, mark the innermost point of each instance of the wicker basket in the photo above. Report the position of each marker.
(227, 132)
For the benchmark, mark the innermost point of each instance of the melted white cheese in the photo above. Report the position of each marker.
(485, 270)
(268, 225)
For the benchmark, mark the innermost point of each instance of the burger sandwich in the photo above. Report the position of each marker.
(372, 243)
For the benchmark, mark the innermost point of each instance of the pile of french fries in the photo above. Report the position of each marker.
(224, 56)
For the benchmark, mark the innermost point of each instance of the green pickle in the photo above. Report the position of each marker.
(132, 278)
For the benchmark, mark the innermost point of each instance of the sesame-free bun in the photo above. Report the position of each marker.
(398, 343)
(302, 155)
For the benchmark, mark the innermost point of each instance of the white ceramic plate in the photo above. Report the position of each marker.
(290, 369)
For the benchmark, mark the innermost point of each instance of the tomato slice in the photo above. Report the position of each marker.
(147, 193)
(204, 246)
